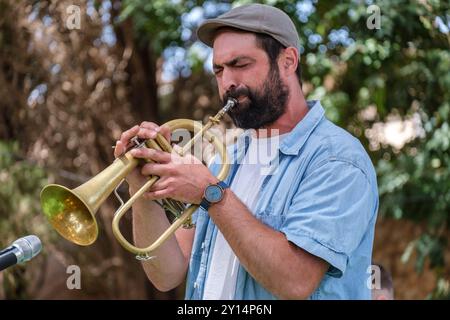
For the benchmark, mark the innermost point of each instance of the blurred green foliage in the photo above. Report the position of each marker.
(158, 22)
(20, 183)
(20, 214)
(400, 69)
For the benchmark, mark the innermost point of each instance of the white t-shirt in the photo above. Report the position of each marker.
(220, 281)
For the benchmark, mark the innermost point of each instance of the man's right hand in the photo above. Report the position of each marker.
(147, 130)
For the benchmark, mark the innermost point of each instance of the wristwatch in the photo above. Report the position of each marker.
(213, 194)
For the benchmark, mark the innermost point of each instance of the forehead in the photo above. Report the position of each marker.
(229, 44)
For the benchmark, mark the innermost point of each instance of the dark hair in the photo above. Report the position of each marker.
(273, 48)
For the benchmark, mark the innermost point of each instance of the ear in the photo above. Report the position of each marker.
(290, 60)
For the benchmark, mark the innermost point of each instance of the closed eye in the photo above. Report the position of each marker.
(238, 63)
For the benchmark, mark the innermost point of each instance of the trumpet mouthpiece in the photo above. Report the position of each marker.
(231, 103)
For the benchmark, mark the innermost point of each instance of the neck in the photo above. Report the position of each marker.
(296, 109)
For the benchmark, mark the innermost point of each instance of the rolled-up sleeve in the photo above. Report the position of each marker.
(330, 213)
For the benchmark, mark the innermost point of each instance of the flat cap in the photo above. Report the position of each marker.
(257, 18)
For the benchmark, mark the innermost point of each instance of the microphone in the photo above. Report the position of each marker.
(21, 250)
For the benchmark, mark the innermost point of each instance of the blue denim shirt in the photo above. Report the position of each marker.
(323, 197)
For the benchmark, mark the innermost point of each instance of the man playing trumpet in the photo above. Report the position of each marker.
(303, 231)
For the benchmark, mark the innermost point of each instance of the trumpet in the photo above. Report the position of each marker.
(71, 212)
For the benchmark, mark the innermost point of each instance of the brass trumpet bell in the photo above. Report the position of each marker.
(72, 212)
(69, 214)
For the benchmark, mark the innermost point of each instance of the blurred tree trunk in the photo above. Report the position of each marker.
(142, 72)
(66, 97)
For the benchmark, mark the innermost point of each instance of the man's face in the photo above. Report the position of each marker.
(243, 71)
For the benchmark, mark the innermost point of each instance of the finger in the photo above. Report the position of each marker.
(154, 169)
(146, 133)
(155, 155)
(165, 131)
(119, 149)
(127, 135)
(149, 125)
(155, 195)
(161, 184)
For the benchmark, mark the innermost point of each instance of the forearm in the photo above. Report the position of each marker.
(265, 253)
(168, 267)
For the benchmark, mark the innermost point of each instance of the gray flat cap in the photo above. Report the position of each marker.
(254, 18)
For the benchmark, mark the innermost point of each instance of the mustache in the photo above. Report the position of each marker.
(236, 93)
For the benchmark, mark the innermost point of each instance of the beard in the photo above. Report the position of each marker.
(262, 107)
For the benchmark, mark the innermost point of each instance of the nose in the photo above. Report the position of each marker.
(228, 80)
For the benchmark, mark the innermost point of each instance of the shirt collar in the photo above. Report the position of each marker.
(296, 138)
(292, 144)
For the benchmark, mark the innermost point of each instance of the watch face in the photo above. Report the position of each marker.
(213, 193)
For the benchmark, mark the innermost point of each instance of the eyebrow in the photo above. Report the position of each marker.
(233, 62)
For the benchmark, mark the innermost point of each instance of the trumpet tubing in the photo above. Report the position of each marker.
(72, 212)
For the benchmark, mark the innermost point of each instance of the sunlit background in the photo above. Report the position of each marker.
(67, 93)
